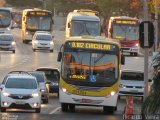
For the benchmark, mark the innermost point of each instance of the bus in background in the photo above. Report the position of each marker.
(90, 73)
(17, 18)
(5, 20)
(35, 20)
(126, 30)
(83, 22)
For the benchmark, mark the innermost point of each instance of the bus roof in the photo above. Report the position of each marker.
(123, 17)
(82, 16)
(98, 39)
(35, 9)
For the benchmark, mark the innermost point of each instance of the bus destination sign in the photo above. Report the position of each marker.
(127, 22)
(91, 45)
(41, 13)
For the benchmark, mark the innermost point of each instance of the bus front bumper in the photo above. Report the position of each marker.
(64, 97)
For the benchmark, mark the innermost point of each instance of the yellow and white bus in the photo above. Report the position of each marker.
(83, 22)
(35, 20)
(90, 73)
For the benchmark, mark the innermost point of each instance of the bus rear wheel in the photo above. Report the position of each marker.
(64, 107)
(108, 109)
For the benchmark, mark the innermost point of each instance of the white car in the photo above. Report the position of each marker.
(132, 83)
(20, 91)
(7, 42)
(42, 41)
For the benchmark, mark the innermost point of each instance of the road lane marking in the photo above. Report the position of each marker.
(55, 110)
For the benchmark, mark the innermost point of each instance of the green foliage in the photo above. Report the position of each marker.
(24, 3)
(152, 105)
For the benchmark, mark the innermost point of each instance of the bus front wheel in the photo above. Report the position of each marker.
(71, 107)
(108, 109)
(64, 107)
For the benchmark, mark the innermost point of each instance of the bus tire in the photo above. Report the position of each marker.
(71, 107)
(64, 107)
(135, 54)
(108, 109)
(131, 54)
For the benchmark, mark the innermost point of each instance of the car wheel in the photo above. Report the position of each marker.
(3, 109)
(13, 51)
(33, 50)
(119, 97)
(38, 110)
(51, 50)
(108, 109)
(135, 54)
(64, 107)
(45, 101)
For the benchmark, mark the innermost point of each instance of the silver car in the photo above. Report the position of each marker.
(132, 83)
(7, 42)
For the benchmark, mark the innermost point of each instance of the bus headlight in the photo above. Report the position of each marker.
(136, 44)
(64, 90)
(35, 41)
(13, 43)
(113, 93)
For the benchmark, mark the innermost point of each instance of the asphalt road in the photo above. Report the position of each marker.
(26, 59)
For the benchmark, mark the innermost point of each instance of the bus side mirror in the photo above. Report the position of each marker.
(59, 56)
(122, 59)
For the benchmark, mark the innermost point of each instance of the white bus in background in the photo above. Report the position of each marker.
(5, 20)
(83, 22)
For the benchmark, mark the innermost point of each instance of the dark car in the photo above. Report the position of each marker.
(42, 80)
(53, 77)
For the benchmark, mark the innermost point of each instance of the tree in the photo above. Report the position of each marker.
(24, 3)
(152, 105)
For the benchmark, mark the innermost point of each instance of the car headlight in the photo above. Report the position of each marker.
(122, 86)
(27, 33)
(6, 94)
(35, 41)
(13, 43)
(42, 90)
(35, 95)
(55, 84)
(51, 43)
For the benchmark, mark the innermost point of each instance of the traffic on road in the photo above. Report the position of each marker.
(78, 73)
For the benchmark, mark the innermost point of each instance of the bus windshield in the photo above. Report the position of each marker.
(126, 32)
(87, 68)
(39, 23)
(5, 18)
(79, 28)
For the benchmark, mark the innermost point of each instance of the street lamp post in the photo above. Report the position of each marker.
(156, 25)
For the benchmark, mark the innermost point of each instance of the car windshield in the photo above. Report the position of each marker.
(6, 37)
(39, 76)
(21, 83)
(52, 75)
(88, 68)
(39, 23)
(79, 28)
(135, 76)
(44, 37)
(126, 32)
